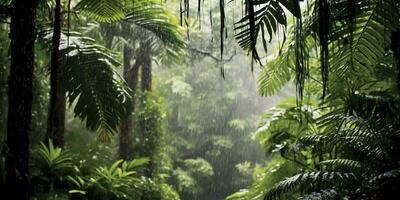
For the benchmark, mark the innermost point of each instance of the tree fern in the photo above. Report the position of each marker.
(95, 90)
(161, 24)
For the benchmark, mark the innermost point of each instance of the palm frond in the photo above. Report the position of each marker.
(343, 165)
(310, 181)
(263, 17)
(159, 22)
(283, 125)
(359, 39)
(101, 10)
(276, 74)
(353, 134)
(97, 92)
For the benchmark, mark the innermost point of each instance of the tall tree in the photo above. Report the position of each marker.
(22, 35)
(56, 117)
(131, 75)
(146, 76)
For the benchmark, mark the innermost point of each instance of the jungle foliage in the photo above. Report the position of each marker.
(146, 99)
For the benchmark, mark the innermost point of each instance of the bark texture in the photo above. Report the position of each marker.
(22, 35)
(146, 76)
(131, 75)
(146, 82)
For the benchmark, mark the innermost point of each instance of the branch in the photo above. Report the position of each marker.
(209, 54)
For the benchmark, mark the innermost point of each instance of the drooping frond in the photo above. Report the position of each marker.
(159, 22)
(310, 181)
(263, 17)
(343, 165)
(282, 125)
(284, 66)
(323, 34)
(360, 35)
(363, 137)
(276, 74)
(101, 10)
(95, 90)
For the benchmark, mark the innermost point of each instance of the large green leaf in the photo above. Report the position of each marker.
(162, 25)
(267, 18)
(93, 87)
(101, 10)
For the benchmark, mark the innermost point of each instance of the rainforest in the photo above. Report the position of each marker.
(199, 99)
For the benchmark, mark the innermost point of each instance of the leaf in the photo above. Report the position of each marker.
(93, 87)
(101, 10)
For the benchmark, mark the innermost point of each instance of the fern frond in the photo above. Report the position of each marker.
(359, 42)
(343, 165)
(281, 126)
(97, 92)
(268, 17)
(157, 20)
(311, 181)
(101, 10)
(276, 74)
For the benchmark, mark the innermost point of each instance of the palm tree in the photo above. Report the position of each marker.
(22, 34)
(56, 116)
(157, 36)
(140, 13)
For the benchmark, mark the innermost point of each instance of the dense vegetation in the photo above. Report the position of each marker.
(143, 99)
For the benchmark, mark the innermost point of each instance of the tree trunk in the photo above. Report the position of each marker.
(22, 34)
(146, 75)
(56, 117)
(126, 130)
(146, 79)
